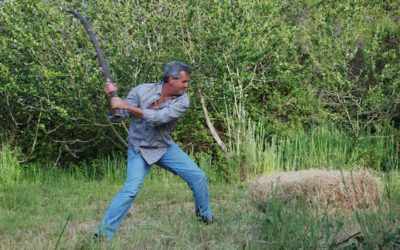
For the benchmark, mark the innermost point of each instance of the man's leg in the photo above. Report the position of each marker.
(119, 206)
(178, 162)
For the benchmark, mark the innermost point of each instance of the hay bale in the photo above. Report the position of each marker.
(331, 189)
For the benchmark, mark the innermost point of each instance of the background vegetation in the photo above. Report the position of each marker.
(291, 66)
(289, 85)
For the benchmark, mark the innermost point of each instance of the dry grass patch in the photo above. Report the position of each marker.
(331, 189)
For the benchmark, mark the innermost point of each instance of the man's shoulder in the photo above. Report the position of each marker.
(183, 99)
(149, 85)
(184, 96)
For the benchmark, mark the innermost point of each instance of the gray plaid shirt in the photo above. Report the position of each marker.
(151, 135)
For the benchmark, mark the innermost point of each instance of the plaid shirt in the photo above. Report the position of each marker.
(151, 135)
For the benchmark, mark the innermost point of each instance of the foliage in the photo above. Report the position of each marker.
(299, 64)
(250, 153)
(10, 169)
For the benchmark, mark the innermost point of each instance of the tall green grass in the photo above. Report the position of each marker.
(34, 214)
(10, 169)
(111, 169)
(36, 205)
(328, 147)
(252, 152)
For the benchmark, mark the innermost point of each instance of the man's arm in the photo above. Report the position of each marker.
(172, 112)
(155, 117)
(121, 104)
(130, 100)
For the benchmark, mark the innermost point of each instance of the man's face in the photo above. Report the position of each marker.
(179, 85)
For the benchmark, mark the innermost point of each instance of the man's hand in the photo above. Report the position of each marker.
(118, 103)
(110, 89)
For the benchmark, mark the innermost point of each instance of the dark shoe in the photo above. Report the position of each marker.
(98, 237)
(207, 222)
(212, 221)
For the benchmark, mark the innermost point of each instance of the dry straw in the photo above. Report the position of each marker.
(331, 189)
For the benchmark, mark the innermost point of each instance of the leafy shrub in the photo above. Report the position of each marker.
(300, 64)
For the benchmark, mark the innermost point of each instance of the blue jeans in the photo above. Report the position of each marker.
(174, 160)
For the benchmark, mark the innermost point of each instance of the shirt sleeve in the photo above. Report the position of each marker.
(131, 99)
(168, 114)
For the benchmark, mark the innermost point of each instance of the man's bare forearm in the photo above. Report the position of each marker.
(138, 112)
(117, 102)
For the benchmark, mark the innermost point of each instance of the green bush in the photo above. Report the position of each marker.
(300, 64)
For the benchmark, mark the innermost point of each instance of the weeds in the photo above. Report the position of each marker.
(252, 152)
(10, 169)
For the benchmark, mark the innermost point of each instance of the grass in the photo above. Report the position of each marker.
(47, 207)
(9, 169)
(253, 152)
(34, 212)
(322, 147)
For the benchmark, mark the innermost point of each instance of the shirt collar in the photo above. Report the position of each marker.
(159, 88)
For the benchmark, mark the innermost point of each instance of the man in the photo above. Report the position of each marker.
(154, 108)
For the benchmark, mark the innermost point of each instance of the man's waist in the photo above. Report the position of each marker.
(142, 143)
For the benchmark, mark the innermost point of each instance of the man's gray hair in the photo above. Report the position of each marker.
(174, 68)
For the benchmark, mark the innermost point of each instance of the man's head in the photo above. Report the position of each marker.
(177, 77)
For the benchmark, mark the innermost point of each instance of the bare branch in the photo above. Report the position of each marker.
(210, 125)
